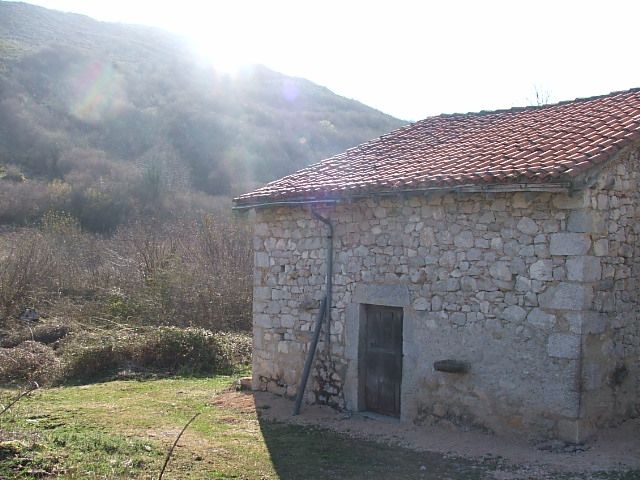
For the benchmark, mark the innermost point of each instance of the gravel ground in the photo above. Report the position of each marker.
(611, 450)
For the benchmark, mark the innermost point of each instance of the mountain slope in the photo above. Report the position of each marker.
(87, 102)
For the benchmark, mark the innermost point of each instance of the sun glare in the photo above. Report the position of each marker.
(219, 36)
(228, 58)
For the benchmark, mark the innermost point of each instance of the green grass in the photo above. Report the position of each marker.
(123, 429)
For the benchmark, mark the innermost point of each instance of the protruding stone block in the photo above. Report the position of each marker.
(569, 244)
(567, 296)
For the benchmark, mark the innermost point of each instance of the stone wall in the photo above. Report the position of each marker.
(535, 291)
(611, 331)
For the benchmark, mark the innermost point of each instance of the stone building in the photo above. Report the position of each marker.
(483, 271)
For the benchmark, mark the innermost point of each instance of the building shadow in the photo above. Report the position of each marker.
(313, 452)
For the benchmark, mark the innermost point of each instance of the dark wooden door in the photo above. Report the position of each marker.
(383, 360)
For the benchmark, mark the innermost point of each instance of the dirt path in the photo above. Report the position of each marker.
(615, 449)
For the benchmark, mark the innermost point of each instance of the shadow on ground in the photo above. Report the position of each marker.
(303, 452)
(305, 449)
(313, 452)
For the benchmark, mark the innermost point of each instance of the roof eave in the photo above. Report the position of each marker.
(555, 187)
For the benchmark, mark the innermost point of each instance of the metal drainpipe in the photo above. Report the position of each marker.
(309, 361)
(325, 311)
(329, 286)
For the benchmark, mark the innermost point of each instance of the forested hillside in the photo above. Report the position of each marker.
(119, 151)
(102, 118)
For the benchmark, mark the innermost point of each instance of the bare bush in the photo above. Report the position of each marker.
(184, 273)
(22, 203)
(24, 274)
(76, 255)
(29, 362)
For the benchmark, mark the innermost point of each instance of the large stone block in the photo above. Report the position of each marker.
(563, 345)
(584, 269)
(569, 244)
(541, 319)
(567, 296)
(390, 295)
(584, 221)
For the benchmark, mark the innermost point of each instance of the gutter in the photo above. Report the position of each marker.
(283, 203)
(560, 187)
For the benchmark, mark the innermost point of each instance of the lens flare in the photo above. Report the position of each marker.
(96, 91)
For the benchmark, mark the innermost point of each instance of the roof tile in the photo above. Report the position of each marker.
(532, 144)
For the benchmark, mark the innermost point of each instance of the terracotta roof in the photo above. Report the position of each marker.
(552, 143)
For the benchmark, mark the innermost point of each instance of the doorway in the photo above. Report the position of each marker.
(382, 359)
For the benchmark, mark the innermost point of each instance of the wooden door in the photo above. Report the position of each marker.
(383, 360)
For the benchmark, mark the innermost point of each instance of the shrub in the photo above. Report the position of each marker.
(46, 333)
(29, 362)
(175, 350)
(234, 347)
(89, 357)
(164, 350)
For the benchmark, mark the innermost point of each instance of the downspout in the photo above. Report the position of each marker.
(329, 287)
(325, 311)
(310, 354)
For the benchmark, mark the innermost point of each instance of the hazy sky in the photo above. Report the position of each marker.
(411, 59)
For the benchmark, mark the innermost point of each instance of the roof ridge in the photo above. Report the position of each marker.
(530, 107)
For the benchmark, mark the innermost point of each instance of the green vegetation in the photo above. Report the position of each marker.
(83, 356)
(123, 429)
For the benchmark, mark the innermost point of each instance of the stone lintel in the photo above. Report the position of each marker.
(388, 295)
